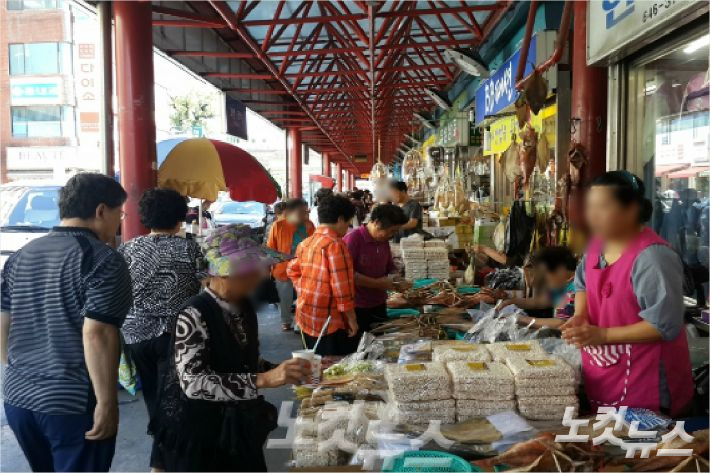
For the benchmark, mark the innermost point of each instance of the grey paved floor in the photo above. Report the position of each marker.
(133, 446)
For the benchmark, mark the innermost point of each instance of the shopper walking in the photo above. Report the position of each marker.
(372, 261)
(164, 270)
(210, 414)
(320, 193)
(285, 236)
(323, 276)
(400, 196)
(64, 298)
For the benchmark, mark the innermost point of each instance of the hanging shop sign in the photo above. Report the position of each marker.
(616, 27)
(236, 113)
(454, 131)
(501, 130)
(431, 141)
(86, 77)
(48, 158)
(498, 91)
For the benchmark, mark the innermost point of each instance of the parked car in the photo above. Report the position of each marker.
(248, 213)
(28, 210)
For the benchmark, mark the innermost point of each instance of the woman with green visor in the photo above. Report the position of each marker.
(211, 415)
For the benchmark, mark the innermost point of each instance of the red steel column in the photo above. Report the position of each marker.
(589, 102)
(338, 177)
(325, 168)
(295, 163)
(136, 123)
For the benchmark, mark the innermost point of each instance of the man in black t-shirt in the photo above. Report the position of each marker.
(411, 207)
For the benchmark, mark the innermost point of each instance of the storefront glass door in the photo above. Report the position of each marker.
(668, 139)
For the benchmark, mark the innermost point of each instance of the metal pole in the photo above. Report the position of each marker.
(106, 142)
(338, 177)
(136, 124)
(295, 163)
(588, 100)
(287, 186)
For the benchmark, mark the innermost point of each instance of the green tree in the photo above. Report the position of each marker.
(190, 111)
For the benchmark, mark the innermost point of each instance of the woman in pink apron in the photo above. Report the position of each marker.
(629, 305)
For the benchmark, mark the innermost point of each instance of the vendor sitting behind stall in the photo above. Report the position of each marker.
(372, 260)
(557, 264)
(412, 209)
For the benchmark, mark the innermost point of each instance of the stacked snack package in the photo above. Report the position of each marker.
(419, 393)
(437, 257)
(481, 388)
(310, 448)
(501, 351)
(414, 257)
(459, 350)
(544, 386)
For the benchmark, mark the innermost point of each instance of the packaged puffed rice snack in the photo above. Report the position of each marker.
(541, 367)
(503, 350)
(460, 351)
(308, 452)
(468, 409)
(425, 406)
(479, 373)
(544, 390)
(418, 381)
(541, 410)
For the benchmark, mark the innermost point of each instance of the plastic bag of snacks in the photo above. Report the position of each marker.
(459, 350)
(418, 381)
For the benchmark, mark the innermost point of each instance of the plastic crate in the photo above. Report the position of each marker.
(427, 461)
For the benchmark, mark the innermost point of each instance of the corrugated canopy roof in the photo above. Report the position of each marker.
(348, 73)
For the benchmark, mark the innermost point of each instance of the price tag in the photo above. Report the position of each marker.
(477, 365)
(541, 363)
(415, 367)
(518, 347)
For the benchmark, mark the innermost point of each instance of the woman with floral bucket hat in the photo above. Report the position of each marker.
(211, 415)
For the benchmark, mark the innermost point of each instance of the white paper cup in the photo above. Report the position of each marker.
(308, 355)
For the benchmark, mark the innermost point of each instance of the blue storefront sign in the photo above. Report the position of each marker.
(498, 91)
(236, 118)
(35, 91)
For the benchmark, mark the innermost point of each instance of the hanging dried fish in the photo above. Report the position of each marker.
(521, 109)
(543, 151)
(535, 88)
(510, 160)
(577, 162)
(528, 153)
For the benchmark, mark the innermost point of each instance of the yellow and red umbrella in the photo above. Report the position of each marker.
(201, 168)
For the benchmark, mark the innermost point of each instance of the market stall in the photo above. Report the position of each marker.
(454, 382)
(413, 400)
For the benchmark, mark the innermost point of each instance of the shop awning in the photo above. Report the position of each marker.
(693, 171)
(663, 169)
(324, 181)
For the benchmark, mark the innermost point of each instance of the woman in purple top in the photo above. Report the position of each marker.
(370, 251)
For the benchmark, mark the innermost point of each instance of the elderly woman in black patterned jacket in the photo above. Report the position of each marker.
(210, 414)
(164, 273)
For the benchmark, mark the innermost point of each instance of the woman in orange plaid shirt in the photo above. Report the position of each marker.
(322, 274)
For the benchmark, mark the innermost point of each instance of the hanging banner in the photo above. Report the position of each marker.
(615, 25)
(86, 77)
(236, 113)
(497, 92)
(502, 130)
